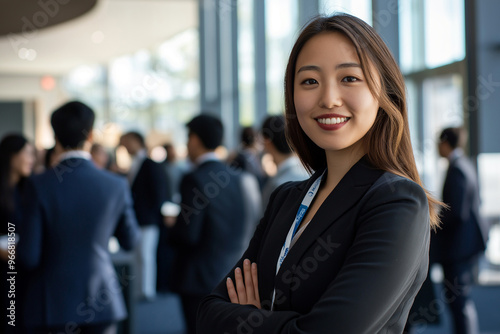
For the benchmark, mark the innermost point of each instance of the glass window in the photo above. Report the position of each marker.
(246, 62)
(155, 91)
(413, 120)
(489, 187)
(489, 180)
(444, 32)
(411, 47)
(177, 90)
(442, 107)
(129, 92)
(87, 83)
(281, 31)
(359, 8)
(176, 61)
(432, 33)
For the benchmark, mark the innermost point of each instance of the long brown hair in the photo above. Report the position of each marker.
(388, 141)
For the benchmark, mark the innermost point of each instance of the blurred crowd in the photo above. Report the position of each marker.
(192, 215)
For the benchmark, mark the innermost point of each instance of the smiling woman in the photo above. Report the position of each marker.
(333, 101)
(347, 250)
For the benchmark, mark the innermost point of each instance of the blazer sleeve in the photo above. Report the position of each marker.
(29, 248)
(189, 225)
(216, 313)
(127, 230)
(388, 249)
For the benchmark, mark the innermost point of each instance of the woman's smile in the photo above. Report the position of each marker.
(331, 122)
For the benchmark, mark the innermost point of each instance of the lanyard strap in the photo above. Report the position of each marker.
(306, 202)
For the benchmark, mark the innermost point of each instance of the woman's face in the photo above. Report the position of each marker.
(334, 105)
(22, 162)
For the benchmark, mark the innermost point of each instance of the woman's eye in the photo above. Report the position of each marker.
(309, 82)
(350, 79)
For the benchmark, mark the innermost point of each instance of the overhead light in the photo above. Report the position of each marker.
(47, 82)
(26, 54)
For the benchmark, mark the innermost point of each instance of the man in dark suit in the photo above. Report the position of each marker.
(149, 191)
(73, 211)
(463, 235)
(210, 228)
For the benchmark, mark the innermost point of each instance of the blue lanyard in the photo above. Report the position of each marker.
(306, 202)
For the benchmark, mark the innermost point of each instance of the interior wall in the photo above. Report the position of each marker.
(36, 101)
(11, 117)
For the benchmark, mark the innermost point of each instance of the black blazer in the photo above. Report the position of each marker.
(73, 210)
(149, 191)
(463, 232)
(210, 228)
(356, 268)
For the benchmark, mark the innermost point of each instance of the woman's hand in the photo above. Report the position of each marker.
(247, 285)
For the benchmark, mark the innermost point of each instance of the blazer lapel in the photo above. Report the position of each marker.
(278, 231)
(348, 192)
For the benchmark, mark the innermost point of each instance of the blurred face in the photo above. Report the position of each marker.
(334, 105)
(130, 144)
(22, 163)
(100, 157)
(444, 149)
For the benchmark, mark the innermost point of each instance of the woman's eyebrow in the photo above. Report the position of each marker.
(309, 68)
(318, 69)
(347, 65)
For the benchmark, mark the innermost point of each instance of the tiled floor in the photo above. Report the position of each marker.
(162, 316)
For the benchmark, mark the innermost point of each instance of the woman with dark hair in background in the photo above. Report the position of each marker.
(17, 157)
(345, 251)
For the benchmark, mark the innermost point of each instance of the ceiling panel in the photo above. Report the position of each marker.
(112, 28)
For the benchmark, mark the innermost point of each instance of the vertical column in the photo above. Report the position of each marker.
(471, 106)
(385, 22)
(307, 10)
(209, 62)
(259, 23)
(219, 64)
(484, 88)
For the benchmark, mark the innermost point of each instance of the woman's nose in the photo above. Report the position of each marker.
(330, 97)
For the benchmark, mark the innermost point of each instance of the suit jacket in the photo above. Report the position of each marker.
(355, 269)
(210, 228)
(149, 191)
(74, 209)
(463, 232)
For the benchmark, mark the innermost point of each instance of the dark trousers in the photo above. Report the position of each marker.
(103, 328)
(164, 262)
(190, 305)
(458, 280)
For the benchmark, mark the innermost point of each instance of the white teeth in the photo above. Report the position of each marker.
(333, 120)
